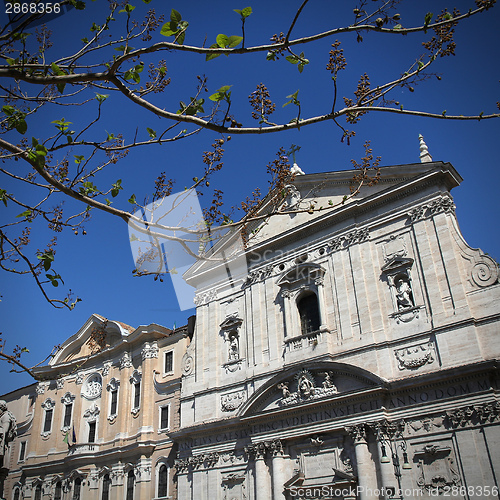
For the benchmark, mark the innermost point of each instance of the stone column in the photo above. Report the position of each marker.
(278, 466)
(367, 475)
(262, 479)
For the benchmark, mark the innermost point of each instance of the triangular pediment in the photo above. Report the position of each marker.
(397, 263)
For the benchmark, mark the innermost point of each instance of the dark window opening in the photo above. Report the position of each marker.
(22, 451)
(17, 493)
(130, 485)
(48, 421)
(38, 492)
(77, 489)
(106, 484)
(169, 362)
(67, 414)
(137, 394)
(114, 402)
(164, 417)
(91, 432)
(58, 491)
(162, 481)
(309, 313)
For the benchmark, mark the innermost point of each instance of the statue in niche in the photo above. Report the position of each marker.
(234, 349)
(404, 295)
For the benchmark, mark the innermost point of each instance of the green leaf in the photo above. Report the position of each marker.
(234, 41)
(175, 16)
(11, 61)
(21, 126)
(222, 40)
(221, 94)
(60, 87)
(101, 97)
(209, 57)
(271, 56)
(292, 59)
(56, 69)
(146, 1)
(47, 258)
(78, 159)
(116, 188)
(151, 132)
(132, 199)
(127, 9)
(3, 196)
(26, 214)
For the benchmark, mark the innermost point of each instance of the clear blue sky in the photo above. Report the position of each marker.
(98, 266)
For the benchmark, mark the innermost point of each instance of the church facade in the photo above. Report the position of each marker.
(96, 427)
(350, 353)
(356, 357)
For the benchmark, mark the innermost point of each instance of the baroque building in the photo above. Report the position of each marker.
(97, 425)
(355, 356)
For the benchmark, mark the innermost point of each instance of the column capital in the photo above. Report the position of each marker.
(276, 448)
(358, 432)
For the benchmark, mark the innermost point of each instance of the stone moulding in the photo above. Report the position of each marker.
(415, 356)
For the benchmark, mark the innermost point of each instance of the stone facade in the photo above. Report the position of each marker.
(354, 358)
(99, 421)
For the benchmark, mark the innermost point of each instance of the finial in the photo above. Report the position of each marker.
(295, 168)
(424, 152)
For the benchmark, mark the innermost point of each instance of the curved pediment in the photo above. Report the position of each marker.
(96, 334)
(307, 384)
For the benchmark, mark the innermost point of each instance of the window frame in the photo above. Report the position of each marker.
(22, 451)
(159, 466)
(160, 409)
(169, 353)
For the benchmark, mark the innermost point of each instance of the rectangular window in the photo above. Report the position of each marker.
(91, 432)
(68, 409)
(114, 402)
(137, 395)
(22, 451)
(48, 420)
(164, 417)
(169, 361)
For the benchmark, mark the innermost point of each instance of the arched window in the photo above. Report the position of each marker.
(58, 491)
(38, 492)
(106, 484)
(77, 489)
(309, 313)
(17, 493)
(162, 481)
(130, 485)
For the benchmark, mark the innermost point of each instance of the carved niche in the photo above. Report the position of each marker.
(398, 274)
(230, 332)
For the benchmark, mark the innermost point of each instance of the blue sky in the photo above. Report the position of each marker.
(98, 266)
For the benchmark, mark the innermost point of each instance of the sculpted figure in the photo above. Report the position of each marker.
(8, 428)
(403, 294)
(284, 387)
(233, 348)
(306, 387)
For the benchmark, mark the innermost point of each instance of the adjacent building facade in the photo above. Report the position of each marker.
(355, 358)
(97, 426)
